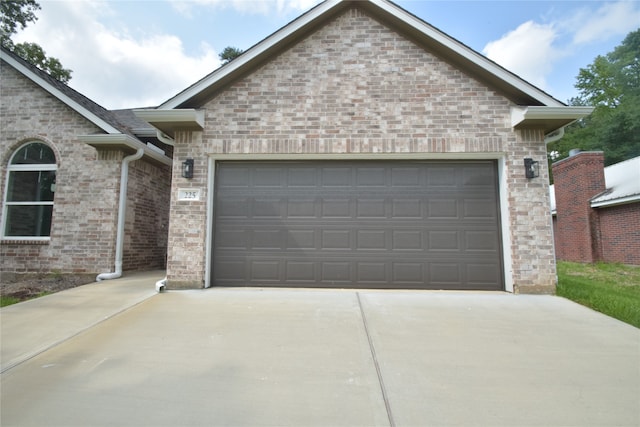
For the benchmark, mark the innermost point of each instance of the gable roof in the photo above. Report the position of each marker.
(622, 181)
(90, 110)
(117, 134)
(435, 41)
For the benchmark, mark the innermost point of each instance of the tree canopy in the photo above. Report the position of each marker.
(229, 53)
(15, 15)
(611, 83)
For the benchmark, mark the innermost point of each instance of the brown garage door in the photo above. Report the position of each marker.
(429, 225)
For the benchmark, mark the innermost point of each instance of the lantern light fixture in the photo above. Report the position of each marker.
(187, 169)
(531, 168)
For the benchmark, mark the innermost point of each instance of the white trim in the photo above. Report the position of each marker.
(211, 185)
(619, 201)
(417, 24)
(468, 53)
(251, 54)
(184, 115)
(26, 168)
(60, 95)
(505, 224)
(505, 220)
(127, 141)
(520, 114)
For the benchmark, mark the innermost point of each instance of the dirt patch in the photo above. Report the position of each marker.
(25, 288)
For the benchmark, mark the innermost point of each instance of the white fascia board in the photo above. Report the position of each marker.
(468, 53)
(127, 141)
(620, 201)
(521, 114)
(388, 7)
(61, 96)
(248, 56)
(185, 115)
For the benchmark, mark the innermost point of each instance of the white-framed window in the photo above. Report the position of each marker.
(29, 193)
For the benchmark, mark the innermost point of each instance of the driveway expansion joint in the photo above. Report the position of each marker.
(383, 389)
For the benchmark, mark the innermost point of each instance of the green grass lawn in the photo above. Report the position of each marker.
(612, 289)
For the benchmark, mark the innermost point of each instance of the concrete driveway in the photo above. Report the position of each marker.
(252, 357)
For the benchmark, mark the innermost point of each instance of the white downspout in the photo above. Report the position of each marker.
(554, 136)
(122, 211)
(162, 137)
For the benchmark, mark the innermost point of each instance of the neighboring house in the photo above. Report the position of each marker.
(596, 209)
(62, 159)
(359, 146)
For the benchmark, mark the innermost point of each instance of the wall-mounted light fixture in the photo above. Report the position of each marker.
(187, 169)
(531, 168)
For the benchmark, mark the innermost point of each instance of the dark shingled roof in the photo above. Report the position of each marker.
(101, 112)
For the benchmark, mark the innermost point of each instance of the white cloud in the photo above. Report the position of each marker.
(611, 19)
(110, 66)
(528, 51)
(258, 7)
(533, 49)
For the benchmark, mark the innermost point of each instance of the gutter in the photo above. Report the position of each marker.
(122, 210)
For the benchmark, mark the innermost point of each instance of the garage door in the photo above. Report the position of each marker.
(427, 225)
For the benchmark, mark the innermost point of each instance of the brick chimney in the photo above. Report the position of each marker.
(577, 179)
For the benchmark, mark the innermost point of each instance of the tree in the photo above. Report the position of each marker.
(33, 53)
(611, 83)
(229, 53)
(16, 15)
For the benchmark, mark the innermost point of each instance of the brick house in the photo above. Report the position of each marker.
(596, 209)
(359, 146)
(62, 163)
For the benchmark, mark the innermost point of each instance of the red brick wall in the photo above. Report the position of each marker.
(620, 233)
(577, 179)
(147, 220)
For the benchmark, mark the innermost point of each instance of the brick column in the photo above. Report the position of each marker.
(577, 180)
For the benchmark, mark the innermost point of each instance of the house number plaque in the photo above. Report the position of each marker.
(188, 194)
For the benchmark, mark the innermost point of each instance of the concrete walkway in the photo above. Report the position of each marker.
(249, 357)
(33, 326)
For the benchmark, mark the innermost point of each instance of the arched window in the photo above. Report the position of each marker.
(31, 184)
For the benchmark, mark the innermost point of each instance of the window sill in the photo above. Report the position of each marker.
(6, 241)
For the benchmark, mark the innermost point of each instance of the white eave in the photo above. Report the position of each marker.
(550, 118)
(423, 33)
(61, 96)
(126, 143)
(168, 120)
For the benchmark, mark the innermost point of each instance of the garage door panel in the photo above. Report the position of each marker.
(481, 241)
(408, 240)
(408, 272)
(371, 240)
(335, 240)
(301, 272)
(406, 208)
(444, 240)
(445, 274)
(442, 208)
(336, 208)
(429, 225)
(371, 208)
(267, 177)
(301, 208)
(338, 272)
(337, 177)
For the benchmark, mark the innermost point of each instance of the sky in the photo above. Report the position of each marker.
(140, 53)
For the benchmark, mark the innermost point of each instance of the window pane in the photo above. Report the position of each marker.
(31, 221)
(31, 186)
(34, 153)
